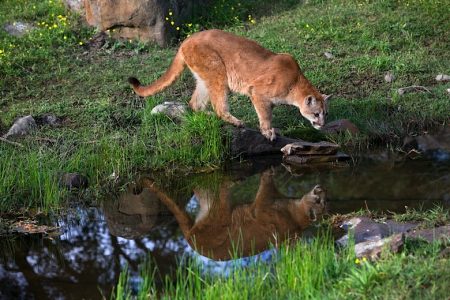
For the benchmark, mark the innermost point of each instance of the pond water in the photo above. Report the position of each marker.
(250, 205)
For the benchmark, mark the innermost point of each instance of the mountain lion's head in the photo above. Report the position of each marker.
(315, 109)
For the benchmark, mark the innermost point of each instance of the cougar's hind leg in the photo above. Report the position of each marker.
(209, 70)
(200, 97)
(218, 92)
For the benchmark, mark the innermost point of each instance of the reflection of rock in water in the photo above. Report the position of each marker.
(223, 231)
(133, 214)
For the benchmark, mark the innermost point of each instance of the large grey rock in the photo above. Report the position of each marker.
(22, 126)
(364, 229)
(140, 19)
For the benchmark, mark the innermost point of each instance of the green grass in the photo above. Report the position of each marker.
(108, 129)
(311, 270)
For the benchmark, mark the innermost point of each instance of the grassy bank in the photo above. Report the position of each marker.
(108, 130)
(306, 271)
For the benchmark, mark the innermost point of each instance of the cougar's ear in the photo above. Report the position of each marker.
(310, 100)
(326, 97)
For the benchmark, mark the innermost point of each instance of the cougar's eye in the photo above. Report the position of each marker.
(316, 115)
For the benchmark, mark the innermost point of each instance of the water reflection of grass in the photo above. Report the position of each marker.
(311, 270)
(108, 131)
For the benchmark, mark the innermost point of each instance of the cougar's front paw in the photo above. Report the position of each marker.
(239, 123)
(269, 134)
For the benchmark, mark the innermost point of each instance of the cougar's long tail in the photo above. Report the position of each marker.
(163, 82)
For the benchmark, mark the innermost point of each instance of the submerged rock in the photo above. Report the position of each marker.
(73, 181)
(316, 159)
(307, 148)
(174, 110)
(21, 126)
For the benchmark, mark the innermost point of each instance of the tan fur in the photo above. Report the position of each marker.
(220, 229)
(222, 62)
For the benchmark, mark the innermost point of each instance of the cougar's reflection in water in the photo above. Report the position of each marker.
(222, 231)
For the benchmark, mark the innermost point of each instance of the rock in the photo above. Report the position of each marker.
(250, 142)
(373, 249)
(364, 230)
(435, 146)
(328, 55)
(430, 235)
(144, 20)
(48, 119)
(21, 126)
(389, 77)
(339, 126)
(97, 41)
(73, 181)
(18, 28)
(174, 110)
(75, 5)
(442, 77)
(445, 253)
(307, 148)
(315, 159)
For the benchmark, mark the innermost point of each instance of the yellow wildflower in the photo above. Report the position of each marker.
(167, 19)
(55, 26)
(65, 37)
(80, 43)
(253, 21)
(170, 13)
(190, 25)
(172, 23)
(357, 261)
(178, 28)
